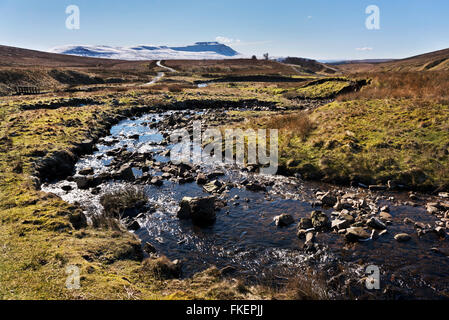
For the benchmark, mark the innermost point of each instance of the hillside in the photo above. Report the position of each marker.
(433, 61)
(308, 65)
(24, 67)
(18, 57)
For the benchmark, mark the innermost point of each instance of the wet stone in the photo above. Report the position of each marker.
(284, 220)
(305, 223)
(402, 237)
(86, 171)
(200, 210)
(320, 221)
(355, 234)
(376, 224)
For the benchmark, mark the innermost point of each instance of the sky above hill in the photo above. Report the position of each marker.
(318, 29)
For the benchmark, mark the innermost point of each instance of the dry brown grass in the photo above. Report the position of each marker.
(114, 205)
(305, 285)
(433, 86)
(298, 124)
(160, 268)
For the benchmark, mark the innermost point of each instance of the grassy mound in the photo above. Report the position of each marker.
(368, 141)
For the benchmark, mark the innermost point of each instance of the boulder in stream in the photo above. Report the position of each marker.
(402, 237)
(213, 186)
(355, 234)
(284, 220)
(376, 224)
(200, 210)
(320, 220)
(125, 173)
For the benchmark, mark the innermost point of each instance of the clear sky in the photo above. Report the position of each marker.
(319, 29)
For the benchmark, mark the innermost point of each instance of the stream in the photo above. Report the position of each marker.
(244, 239)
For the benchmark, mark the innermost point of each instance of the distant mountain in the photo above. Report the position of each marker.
(197, 51)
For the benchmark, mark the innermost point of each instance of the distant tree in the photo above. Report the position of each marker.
(254, 57)
(266, 56)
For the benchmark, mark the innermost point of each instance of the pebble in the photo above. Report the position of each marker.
(402, 237)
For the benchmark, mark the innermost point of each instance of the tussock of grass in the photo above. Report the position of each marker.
(293, 125)
(114, 203)
(308, 286)
(161, 268)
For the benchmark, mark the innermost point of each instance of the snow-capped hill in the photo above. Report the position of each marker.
(209, 47)
(199, 50)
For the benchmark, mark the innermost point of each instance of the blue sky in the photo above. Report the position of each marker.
(319, 29)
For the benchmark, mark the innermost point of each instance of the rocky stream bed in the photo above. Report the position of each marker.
(261, 228)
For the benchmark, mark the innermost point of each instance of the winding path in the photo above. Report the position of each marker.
(160, 75)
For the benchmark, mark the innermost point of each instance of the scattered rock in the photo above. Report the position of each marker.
(305, 223)
(355, 234)
(200, 210)
(377, 187)
(391, 184)
(338, 206)
(320, 221)
(132, 225)
(86, 171)
(86, 182)
(376, 224)
(347, 217)
(125, 173)
(328, 200)
(301, 233)
(66, 187)
(157, 181)
(213, 186)
(284, 220)
(201, 179)
(228, 270)
(440, 231)
(413, 196)
(149, 248)
(310, 238)
(78, 219)
(385, 216)
(433, 208)
(402, 237)
(255, 187)
(374, 235)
